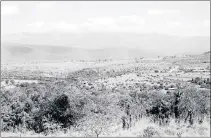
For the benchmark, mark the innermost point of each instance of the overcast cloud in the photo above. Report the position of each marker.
(174, 18)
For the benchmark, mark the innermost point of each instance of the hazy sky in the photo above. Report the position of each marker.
(189, 18)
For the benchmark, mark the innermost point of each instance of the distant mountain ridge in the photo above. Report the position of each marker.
(90, 46)
(33, 52)
(58, 53)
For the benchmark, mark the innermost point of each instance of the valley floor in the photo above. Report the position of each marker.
(108, 90)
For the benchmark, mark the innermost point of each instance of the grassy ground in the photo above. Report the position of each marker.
(142, 128)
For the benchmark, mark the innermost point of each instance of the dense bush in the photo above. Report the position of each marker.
(156, 71)
(203, 82)
(36, 105)
(184, 104)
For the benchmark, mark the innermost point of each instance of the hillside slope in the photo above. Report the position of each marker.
(98, 45)
(53, 53)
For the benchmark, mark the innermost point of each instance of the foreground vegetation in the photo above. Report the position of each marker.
(88, 103)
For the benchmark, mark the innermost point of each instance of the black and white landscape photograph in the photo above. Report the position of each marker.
(105, 69)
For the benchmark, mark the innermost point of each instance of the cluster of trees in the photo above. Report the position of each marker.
(184, 104)
(37, 107)
(203, 82)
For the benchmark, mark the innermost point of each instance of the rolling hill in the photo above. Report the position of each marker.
(54, 53)
(89, 46)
